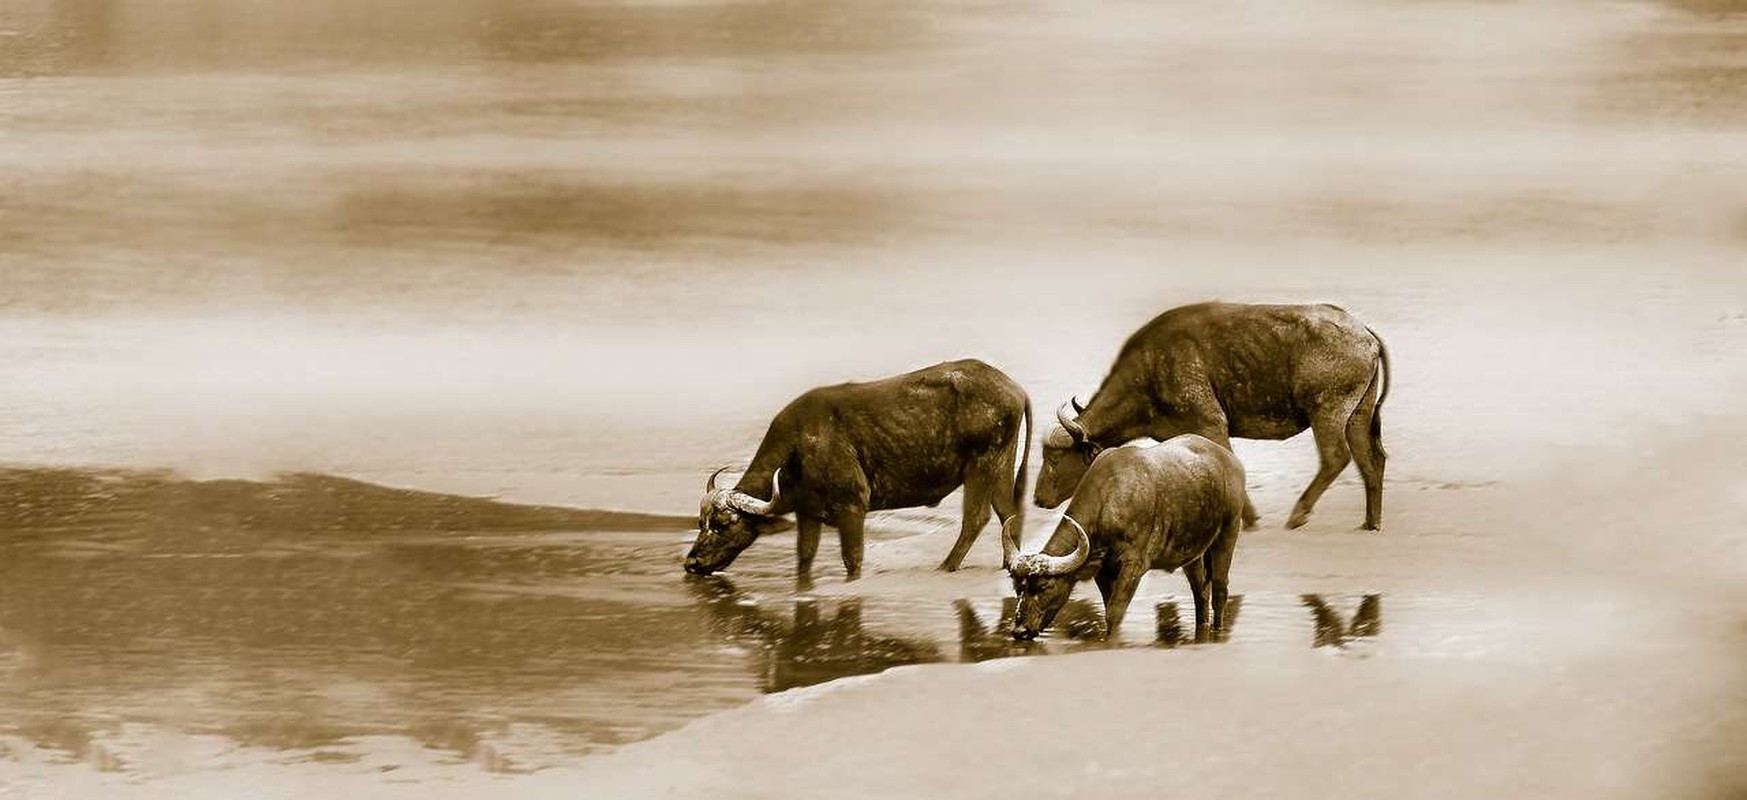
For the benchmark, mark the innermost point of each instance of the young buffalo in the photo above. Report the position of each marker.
(848, 449)
(1177, 503)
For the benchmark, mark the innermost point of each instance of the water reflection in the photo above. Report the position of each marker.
(1079, 625)
(805, 646)
(1332, 631)
(1169, 624)
(302, 614)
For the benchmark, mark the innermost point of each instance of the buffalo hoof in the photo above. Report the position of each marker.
(1297, 520)
(1372, 527)
(1249, 524)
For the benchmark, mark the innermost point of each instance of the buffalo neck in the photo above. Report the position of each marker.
(1116, 415)
(773, 454)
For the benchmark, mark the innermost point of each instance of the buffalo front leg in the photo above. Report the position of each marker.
(1121, 594)
(1330, 429)
(849, 540)
(806, 545)
(976, 517)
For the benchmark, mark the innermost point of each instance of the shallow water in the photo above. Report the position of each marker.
(515, 650)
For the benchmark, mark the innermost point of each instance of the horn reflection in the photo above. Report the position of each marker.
(1332, 631)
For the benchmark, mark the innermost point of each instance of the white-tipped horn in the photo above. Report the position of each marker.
(748, 504)
(1009, 542)
(1070, 423)
(710, 485)
(1062, 565)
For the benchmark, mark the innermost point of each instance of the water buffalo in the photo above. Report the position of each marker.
(1177, 503)
(848, 449)
(1250, 371)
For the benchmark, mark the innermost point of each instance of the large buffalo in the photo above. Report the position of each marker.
(1250, 371)
(848, 449)
(1178, 503)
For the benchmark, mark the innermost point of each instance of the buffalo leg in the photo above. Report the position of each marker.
(1330, 428)
(849, 540)
(976, 517)
(806, 544)
(1196, 572)
(1105, 578)
(1364, 439)
(1218, 558)
(1121, 594)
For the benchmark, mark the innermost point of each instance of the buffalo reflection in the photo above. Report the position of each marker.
(1331, 631)
(1169, 625)
(806, 647)
(806, 641)
(1079, 622)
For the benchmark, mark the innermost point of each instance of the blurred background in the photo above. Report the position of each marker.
(581, 252)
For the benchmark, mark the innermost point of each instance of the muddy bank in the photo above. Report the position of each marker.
(160, 508)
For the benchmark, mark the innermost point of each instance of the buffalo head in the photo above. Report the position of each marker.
(1067, 452)
(1042, 582)
(729, 521)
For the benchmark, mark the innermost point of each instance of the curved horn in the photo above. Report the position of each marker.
(1062, 565)
(1078, 409)
(1070, 423)
(759, 508)
(710, 485)
(1009, 544)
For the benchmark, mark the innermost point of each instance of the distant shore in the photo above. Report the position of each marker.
(35, 501)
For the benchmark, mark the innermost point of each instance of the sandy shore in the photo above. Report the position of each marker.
(1599, 664)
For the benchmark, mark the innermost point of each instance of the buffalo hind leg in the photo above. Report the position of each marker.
(976, 516)
(849, 540)
(1364, 438)
(1218, 561)
(1196, 572)
(1330, 429)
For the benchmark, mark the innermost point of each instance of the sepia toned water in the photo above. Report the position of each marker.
(578, 254)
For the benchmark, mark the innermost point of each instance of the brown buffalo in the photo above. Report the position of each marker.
(1250, 371)
(1178, 503)
(848, 449)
